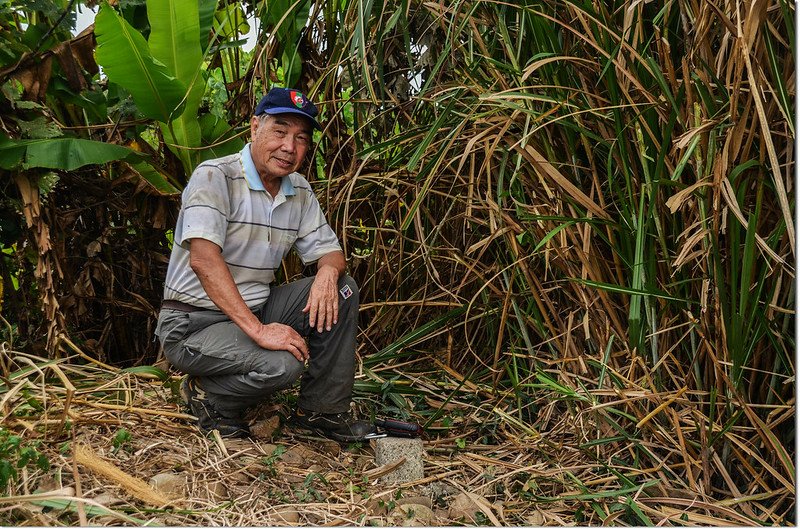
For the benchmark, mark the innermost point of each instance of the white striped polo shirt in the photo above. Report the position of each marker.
(225, 202)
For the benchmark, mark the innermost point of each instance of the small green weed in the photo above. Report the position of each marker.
(270, 460)
(121, 439)
(14, 454)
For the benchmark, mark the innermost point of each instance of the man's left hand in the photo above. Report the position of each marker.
(323, 301)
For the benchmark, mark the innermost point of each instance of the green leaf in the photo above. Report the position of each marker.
(59, 504)
(389, 351)
(39, 128)
(148, 370)
(206, 9)
(126, 59)
(67, 154)
(631, 291)
(174, 30)
(230, 21)
(221, 137)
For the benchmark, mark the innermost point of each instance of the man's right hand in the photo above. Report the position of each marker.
(206, 261)
(280, 337)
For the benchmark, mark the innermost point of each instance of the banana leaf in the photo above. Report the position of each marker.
(174, 27)
(126, 60)
(66, 154)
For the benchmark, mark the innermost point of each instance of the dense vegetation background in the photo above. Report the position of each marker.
(582, 210)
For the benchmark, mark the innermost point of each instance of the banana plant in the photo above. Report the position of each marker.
(164, 74)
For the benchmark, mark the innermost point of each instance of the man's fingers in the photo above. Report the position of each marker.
(296, 353)
(299, 350)
(329, 314)
(323, 319)
(312, 314)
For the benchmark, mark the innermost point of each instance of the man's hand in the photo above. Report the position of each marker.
(323, 301)
(206, 261)
(280, 337)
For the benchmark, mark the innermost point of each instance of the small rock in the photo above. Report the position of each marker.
(299, 456)
(412, 515)
(169, 484)
(267, 428)
(107, 499)
(535, 519)
(376, 507)
(285, 515)
(239, 477)
(462, 506)
(419, 500)
(217, 490)
(332, 448)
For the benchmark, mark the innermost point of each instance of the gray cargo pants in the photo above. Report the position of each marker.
(236, 374)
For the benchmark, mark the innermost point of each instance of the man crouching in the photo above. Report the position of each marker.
(237, 339)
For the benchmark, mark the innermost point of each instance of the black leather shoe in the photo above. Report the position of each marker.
(208, 418)
(337, 426)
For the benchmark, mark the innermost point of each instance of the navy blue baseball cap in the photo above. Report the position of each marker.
(287, 101)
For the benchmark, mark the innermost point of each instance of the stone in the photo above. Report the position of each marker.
(217, 490)
(169, 484)
(462, 507)
(107, 499)
(331, 448)
(391, 449)
(267, 428)
(285, 515)
(419, 500)
(412, 515)
(300, 456)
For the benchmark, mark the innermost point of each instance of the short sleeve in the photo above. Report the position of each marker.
(205, 207)
(315, 237)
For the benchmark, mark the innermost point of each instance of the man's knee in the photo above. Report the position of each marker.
(278, 372)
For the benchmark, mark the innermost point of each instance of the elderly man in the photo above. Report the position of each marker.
(238, 339)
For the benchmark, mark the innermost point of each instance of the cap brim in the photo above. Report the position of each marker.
(287, 110)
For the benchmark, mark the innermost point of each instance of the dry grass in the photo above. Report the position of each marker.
(549, 470)
(574, 241)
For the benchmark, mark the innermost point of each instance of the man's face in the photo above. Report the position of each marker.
(279, 144)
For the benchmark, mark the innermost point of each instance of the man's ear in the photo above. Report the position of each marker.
(254, 124)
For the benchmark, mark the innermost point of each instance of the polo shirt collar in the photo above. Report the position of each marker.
(254, 181)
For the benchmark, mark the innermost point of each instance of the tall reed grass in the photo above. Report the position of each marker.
(590, 200)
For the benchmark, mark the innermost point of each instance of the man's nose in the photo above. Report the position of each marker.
(289, 144)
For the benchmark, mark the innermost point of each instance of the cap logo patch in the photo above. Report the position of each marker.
(297, 99)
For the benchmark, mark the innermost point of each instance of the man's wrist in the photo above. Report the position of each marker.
(329, 269)
(251, 325)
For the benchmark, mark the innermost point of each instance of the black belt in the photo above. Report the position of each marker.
(179, 305)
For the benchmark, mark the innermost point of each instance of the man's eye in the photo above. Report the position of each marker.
(303, 139)
(279, 132)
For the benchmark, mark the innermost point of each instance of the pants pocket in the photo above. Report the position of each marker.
(172, 326)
